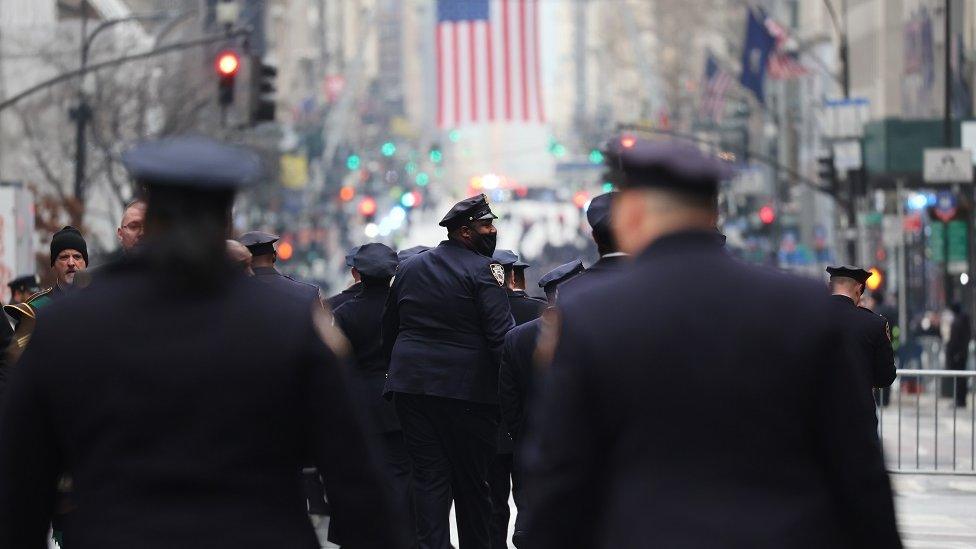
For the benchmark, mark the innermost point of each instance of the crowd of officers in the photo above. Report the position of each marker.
(188, 394)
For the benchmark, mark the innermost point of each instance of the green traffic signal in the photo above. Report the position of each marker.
(388, 148)
(596, 157)
(353, 162)
(422, 179)
(436, 156)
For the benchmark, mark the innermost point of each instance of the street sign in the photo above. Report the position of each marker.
(845, 118)
(958, 247)
(948, 166)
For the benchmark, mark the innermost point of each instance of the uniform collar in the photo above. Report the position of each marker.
(265, 271)
(682, 241)
(843, 299)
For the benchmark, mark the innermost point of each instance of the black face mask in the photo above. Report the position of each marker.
(484, 244)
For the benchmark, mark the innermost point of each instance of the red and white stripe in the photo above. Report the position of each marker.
(490, 71)
(713, 100)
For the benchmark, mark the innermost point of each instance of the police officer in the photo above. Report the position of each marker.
(361, 319)
(192, 440)
(350, 292)
(611, 258)
(867, 336)
(524, 309)
(22, 287)
(515, 385)
(443, 329)
(263, 259)
(682, 409)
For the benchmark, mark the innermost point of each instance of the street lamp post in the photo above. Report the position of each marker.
(83, 112)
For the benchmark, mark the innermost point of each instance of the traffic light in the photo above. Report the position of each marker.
(262, 92)
(827, 172)
(353, 162)
(876, 280)
(226, 64)
(410, 199)
(596, 156)
(580, 199)
(388, 149)
(556, 148)
(627, 141)
(367, 207)
(435, 154)
(347, 193)
(767, 215)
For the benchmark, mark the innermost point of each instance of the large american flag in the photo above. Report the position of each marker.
(488, 66)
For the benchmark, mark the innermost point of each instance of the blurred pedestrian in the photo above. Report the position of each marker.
(157, 391)
(500, 477)
(361, 319)
(353, 290)
(264, 257)
(680, 410)
(240, 257)
(516, 387)
(443, 329)
(128, 233)
(957, 350)
(867, 336)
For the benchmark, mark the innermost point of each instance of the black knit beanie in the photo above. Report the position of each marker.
(68, 238)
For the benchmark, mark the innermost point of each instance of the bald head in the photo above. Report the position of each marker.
(240, 256)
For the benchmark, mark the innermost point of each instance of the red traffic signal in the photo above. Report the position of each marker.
(367, 207)
(227, 63)
(767, 215)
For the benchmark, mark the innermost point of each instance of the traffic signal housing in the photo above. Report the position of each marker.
(227, 64)
(263, 92)
(827, 172)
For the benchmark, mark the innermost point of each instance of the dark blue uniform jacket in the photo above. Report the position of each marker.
(685, 408)
(445, 323)
(361, 319)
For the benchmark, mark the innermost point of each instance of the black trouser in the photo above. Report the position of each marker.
(502, 482)
(391, 452)
(450, 443)
(958, 362)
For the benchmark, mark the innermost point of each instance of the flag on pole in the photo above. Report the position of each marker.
(755, 55)
(488, 62)
(715, 85)
(783, 64)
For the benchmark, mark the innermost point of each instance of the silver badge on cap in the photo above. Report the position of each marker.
(498, 272)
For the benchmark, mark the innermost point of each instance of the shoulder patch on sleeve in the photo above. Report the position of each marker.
(498, 272)
(332, 336)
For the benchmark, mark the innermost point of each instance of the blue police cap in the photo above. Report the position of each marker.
(598, 214)
(521, 264)
(561, 274)
(24, 282)
(636, 162)
(375, 260)
(192, 162)
(259, 243)
(507, 258)
(403, 255)
(470, 209)
(847, 271)
(352, 254)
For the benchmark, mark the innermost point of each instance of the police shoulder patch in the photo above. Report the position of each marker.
(498, 272)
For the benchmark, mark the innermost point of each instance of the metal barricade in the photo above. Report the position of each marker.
(921, 405)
